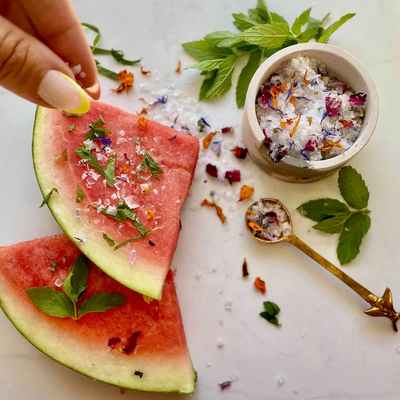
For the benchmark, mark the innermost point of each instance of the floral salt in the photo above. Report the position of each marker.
(308, 114)
(268, 221)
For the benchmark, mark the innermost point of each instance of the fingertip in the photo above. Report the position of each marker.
(94, 91)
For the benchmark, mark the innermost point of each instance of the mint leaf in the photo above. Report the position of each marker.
(79, 195)
(207, 84)
(209, 65)
(119, 57)
(48, 196)
(108, 239)
(218, 36)
(148, 162)
(64, 154)
(88, 156)
(223, 80)
(263, 11)
(254, 14)
(270, 313)
(350, 240)
(243, 22)
(278, 18)
(312, 30)
(95, 130)
(300, 22)
(101, 302)
(106, 72)
(75, 283)
(71, 115)
(71, 127)
(270, 36)
(202, 50)
(353, 188)
(318, 210)
(110, 170)
(94, 29)
(135, 219)
(334, 224)
(135, 238)
(336, 25)
(51, 301)
(245, 77)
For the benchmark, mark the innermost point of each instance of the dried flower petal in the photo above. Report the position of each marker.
(173, 138)
(228, 129)
(216, 147)
(295, 125)
(113, 342)
(218, 209)
(126, 79)
(345, 123)
(147, 300)
(255, 227)
(144, 111)
(333, 104)
(207, 140)
(306, 81)
(131, 343)
(225, 385)
(310, 146)
(245, 271)
(178, 67)
(358, 99)
(150, 215)
(142, 123)
(212, 170)
(245, 192)
(260, 284)
(144, 72)
(240, 152)
(232, 176)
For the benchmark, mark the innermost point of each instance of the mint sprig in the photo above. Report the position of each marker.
(48, 197)
(262, 32)
(335, 217)
(64, 304)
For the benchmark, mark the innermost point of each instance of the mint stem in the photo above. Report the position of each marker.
(75, 318)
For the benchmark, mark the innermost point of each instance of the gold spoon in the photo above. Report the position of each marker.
(380, 306)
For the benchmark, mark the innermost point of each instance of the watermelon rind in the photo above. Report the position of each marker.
(144, 277)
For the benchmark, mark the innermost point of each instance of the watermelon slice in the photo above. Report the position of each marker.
(156, 199)
(161, 353)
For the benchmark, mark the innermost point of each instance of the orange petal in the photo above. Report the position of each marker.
(142, 123)
(245, 192)
(296, 125)
(260, 284)
(150, 215)
(207, 139)
(255, 227)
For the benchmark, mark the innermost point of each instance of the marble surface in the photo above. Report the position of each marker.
(326, 348)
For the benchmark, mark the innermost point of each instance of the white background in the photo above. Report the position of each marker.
(326, 348)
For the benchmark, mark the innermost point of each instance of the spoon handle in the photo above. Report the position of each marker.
(380, 306)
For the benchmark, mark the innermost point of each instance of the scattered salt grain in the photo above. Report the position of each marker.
(295, 391)
(220, 342)
(76, 69)
(89, 144)
(303, 335)
(208, 365)
(58, 282)
(221, 321)
(78, 213)
(132, 257)
(214, 268)
(130, 202)
(228, 305)
(197, 276)
(398, 349)
(234, 375)
(107, 202)
(82, 74)
(96, 221)
(281, 379)
(112, 210)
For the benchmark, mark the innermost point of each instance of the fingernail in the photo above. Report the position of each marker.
(62, 92)
(94, 91)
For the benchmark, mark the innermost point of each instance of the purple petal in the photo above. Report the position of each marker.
(225, 385)
(324, 115)
(289, 94)
(271, 106)
(358, 99)
(304, 155)
(131, 343)
(173, 138)
(205, 122)
(161, 100)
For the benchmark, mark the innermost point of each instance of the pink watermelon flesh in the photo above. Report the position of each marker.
(161, 352)
(175, 153)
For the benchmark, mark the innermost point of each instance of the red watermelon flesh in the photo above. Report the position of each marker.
(161, 352)
(174, 152)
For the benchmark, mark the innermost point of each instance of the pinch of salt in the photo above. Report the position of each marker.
(112, 210)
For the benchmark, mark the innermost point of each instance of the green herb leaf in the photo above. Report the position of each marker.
(88, 156)
(94, 29)
(101, 302)
(135, 219)
(63, 154)
(71, 127)
(263, 11)
(148, 162)
(223, 80)
(350, 240)
(53, 266)
(71, 115)
(138, 140)
(334, 224)
(353, 188)
(108, 239)
(99, 51)
(270, 36)
(106, 72)
(245, 77)
(110, 170)
(312, 30)
(278, 18)
(254, 14)
(207, 65)
(202, 50)
(135, 238)
(207, 84)
(218, 36)
(270, 313)
(95, 130)
(300, 22)
(48, 196)
(318, 210)
(119, 56)
(336, 25)
(243, 22)
(79, 196)
(75, 283)
(51, 301)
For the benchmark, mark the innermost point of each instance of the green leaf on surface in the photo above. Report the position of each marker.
(101, 302)
(96, 30)
(311, 31)
(48, 197)
(270, 36)
(245, 77)
(71, 127)
(202, 50)
(333, 224)
(95, 130)
(108, 239)
(318, 210)
(263, 11)
(75, 283)
(98, 51)
(243, 22)
(217, 36)
(88, 156)
(331, 29)
(64, 154)
(353, 188)
(135, 238)
(254, 14)
(110, 170)
(79, 195)
(106, 72)
(278, 18)
(51, 301)
(119, 57)
(210, 65)
(270, 313)
(207, 84)
(350, 240)
(301, 21)
(223, 79)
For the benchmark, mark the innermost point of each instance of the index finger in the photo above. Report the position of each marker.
(61, 30)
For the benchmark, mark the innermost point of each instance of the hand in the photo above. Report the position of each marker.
(40, 41)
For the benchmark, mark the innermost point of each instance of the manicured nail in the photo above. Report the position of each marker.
(62, 92)
(94, 91)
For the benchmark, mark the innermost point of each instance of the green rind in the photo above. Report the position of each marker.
(139, 279)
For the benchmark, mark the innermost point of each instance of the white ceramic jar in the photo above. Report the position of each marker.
(348, 70)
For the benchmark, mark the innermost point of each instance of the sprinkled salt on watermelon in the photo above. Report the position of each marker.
(96, 345)
(131, 141)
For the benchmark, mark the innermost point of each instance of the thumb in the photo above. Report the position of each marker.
(31, 70)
